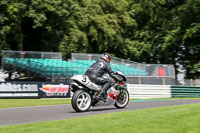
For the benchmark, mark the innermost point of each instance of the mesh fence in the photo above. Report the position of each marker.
(155, 70)
(191, 82)
(50, 64)
(31, 54)
(33, 64)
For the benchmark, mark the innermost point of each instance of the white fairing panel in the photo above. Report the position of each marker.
(83, 79)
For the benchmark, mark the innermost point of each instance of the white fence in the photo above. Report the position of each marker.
(138, 91)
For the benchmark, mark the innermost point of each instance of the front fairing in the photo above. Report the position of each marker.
(119, 87)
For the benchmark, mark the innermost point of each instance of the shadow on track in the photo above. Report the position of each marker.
(96, 110)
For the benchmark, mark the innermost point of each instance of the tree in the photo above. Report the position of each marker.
(158, 31)
(183, 36)
(12, 15)
(4, 29)
(97, 26)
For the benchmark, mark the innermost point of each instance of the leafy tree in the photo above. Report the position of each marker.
(4, 29)
(158, 31)
(183, 35)
(12, 15)
(97, 26)
(45, 25)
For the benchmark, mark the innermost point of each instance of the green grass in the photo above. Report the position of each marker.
(10, 103)
(174, 119)
(159, 99)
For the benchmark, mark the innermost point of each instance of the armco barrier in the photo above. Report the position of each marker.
(61, 90)
(34, 90)
(185, 91)
(149, 91)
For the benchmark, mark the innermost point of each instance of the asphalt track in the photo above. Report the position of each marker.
(12, 116)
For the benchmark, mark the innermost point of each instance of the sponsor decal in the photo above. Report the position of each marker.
(18, 94)
(15, 90)
(8, 87)
(55, 90)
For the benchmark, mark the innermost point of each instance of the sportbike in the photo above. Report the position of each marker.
(85, 93)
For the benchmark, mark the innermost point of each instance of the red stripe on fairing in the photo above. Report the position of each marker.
(122, 83)
(116, 97)
(111, 95)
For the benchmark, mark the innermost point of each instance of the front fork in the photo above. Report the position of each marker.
(122, 92)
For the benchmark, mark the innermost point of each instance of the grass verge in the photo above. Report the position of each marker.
(11, 103)
(174, 119)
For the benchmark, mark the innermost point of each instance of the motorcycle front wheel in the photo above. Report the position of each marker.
(81, 101)
(122, 99)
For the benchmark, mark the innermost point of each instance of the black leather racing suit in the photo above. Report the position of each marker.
(97, 70)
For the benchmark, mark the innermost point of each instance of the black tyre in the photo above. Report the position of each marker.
(122, 100)
(81, 101)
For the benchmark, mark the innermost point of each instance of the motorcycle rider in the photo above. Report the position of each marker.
(98, 69)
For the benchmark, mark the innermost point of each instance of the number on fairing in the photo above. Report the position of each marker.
(84, 79)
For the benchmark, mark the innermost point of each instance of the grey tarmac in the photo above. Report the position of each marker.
(21, 115)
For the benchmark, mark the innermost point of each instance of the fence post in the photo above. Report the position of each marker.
(191, 82)
(128, 88)
(52, 79)
(163, 81)
(140, 80)
(198, 81)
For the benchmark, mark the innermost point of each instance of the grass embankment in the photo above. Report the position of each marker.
(11, 103)
(174, 119)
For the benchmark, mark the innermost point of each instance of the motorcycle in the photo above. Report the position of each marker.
(85, 93)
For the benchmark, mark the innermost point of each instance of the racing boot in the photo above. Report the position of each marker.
(102, 96)
(105, 95)
(103, 91)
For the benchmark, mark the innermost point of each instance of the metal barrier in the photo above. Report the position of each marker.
(162, 91)
(185, 91)
(151, 80)
(149, 91)
(191, 82)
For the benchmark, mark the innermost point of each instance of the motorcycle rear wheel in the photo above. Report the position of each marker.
(81, 101)
(122, 100)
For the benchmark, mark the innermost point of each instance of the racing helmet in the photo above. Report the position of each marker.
(106, 57)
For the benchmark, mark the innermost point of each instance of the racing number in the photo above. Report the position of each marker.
(84, 79)
(101, 65)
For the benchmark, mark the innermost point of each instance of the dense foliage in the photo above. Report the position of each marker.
(151, 31)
